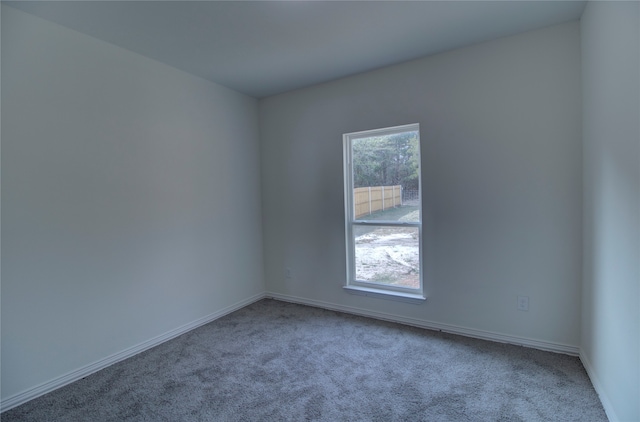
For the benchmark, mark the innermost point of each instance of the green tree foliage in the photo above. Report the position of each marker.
(387, 160)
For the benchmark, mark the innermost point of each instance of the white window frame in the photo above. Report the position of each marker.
(365, 287)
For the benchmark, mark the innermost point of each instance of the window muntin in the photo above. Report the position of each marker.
(383, 210)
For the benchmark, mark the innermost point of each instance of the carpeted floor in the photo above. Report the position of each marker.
(275, 361)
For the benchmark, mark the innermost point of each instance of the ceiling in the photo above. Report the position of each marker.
(264, 48)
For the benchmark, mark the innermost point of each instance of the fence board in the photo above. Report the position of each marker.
(370, 199)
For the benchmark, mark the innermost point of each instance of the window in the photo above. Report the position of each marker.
(383, 212)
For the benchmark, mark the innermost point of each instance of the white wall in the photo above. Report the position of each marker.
(131, 196)
(501, 148)
(611, 128)
(131, 200)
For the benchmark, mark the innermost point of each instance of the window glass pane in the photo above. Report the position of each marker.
(387, 255)
(386, 178)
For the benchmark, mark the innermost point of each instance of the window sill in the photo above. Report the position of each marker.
(386, 294)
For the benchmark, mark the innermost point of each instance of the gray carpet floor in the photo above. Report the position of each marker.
(276, 361)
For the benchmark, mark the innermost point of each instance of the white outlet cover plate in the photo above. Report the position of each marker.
(523, 303)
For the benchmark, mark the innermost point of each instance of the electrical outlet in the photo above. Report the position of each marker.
(287, 272)
(523, 303)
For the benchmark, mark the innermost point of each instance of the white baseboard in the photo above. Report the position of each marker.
(453, 329)
(597, 385)
(44, 388)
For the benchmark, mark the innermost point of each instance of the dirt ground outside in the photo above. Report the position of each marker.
(389, 255)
